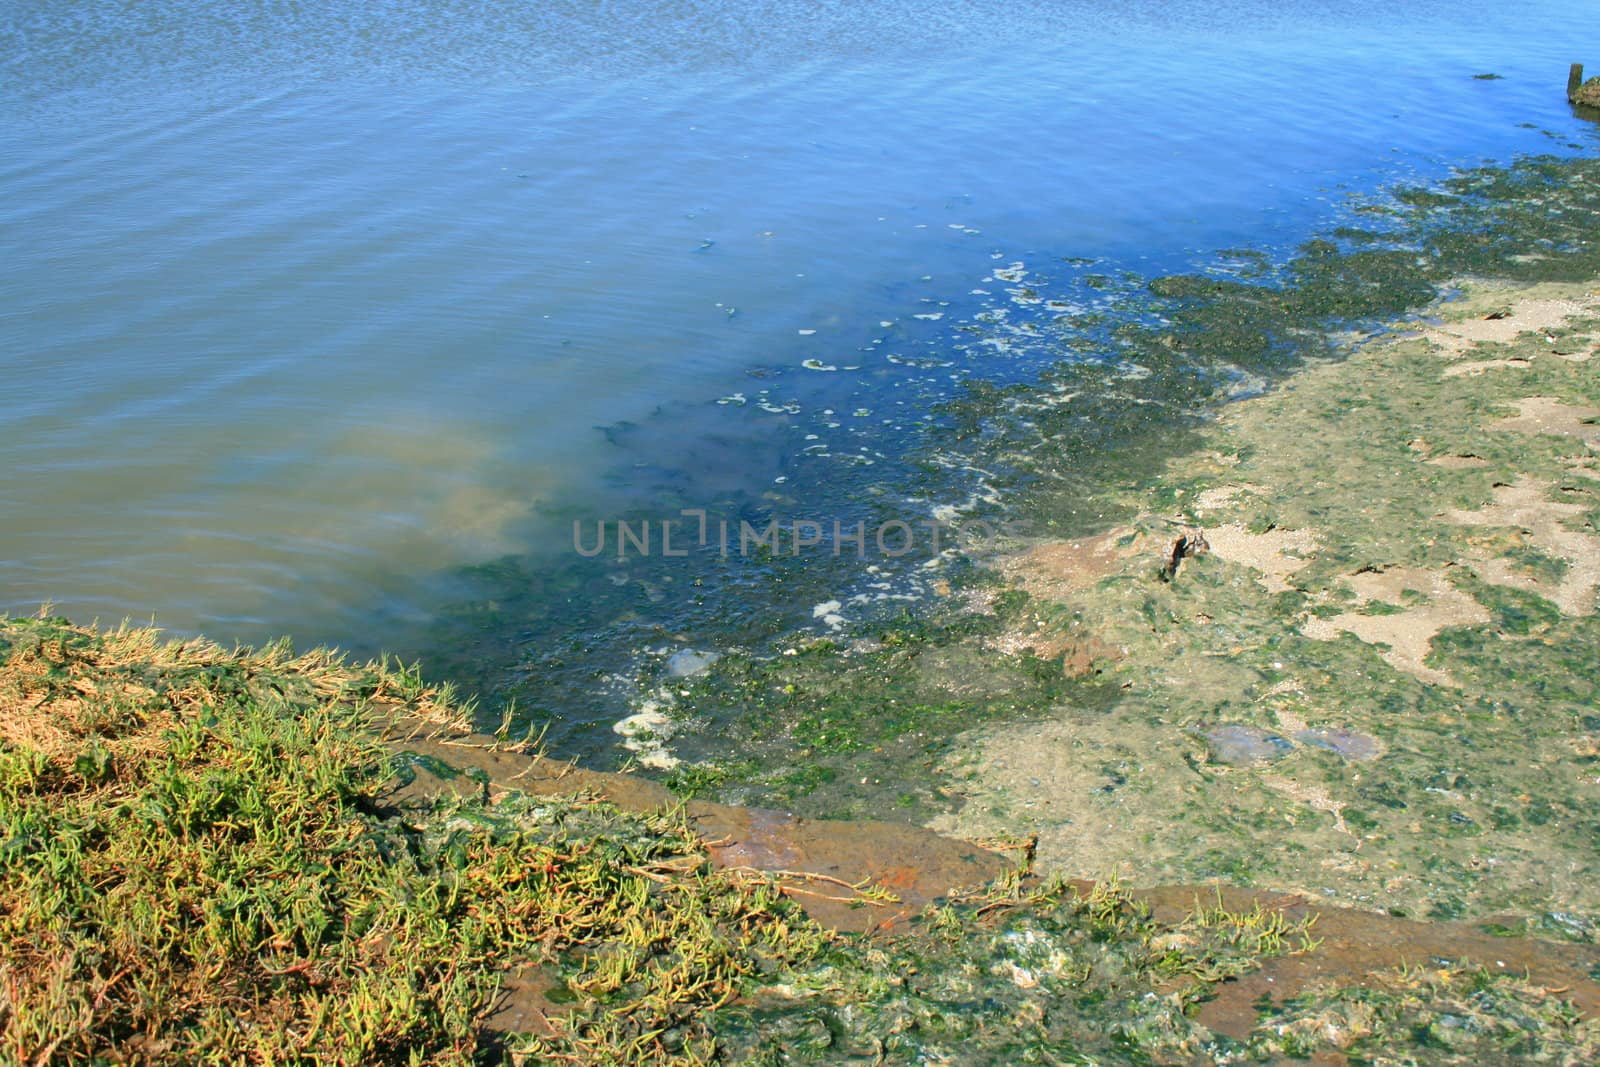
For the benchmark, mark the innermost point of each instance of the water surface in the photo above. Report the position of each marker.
(306, 308)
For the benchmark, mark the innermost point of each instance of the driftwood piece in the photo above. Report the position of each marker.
(1189, 543)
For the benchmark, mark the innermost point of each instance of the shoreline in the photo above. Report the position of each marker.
(811, 722)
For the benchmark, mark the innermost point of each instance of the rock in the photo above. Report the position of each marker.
(690, 662)
(1347, 743)
(1078, 658)
(646, 732)
(1580, 92)
(1241, 746)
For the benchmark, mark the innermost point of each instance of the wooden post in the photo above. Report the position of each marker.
(1574, 79)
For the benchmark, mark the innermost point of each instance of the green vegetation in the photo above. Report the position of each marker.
(210, 856)
(1450, 1016)
(1047, 975)
(200, 864)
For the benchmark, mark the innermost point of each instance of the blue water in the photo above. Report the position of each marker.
(305, 307)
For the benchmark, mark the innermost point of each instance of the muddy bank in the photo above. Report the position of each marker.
(852, 876)
(875, 876)
(1375, 682)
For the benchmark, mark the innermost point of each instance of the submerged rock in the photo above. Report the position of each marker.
(1350, 744)
(690, 662)
(1240, 746)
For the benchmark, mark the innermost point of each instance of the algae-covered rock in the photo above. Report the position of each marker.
(1580, 92)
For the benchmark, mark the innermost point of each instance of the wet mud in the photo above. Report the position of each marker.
(881, 879)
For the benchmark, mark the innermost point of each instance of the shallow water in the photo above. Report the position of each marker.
(304, 310)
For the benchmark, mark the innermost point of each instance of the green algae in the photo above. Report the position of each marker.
(820, 713)
(1446, 1016)
(1047, 975)
(1528, 222)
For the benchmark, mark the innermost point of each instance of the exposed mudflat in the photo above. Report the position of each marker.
(1378, 686)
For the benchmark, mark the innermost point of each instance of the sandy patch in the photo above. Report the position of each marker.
(1055, 570)
(1222, 496)
(1314, 797)
(1274, 554)
(1586, 468)
(1408, 634)
(1552, 417)
(1528, 508)
(1094, 790)
(1477, 367)
(1501, 326)
(1076, 652)
(1449, 462)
